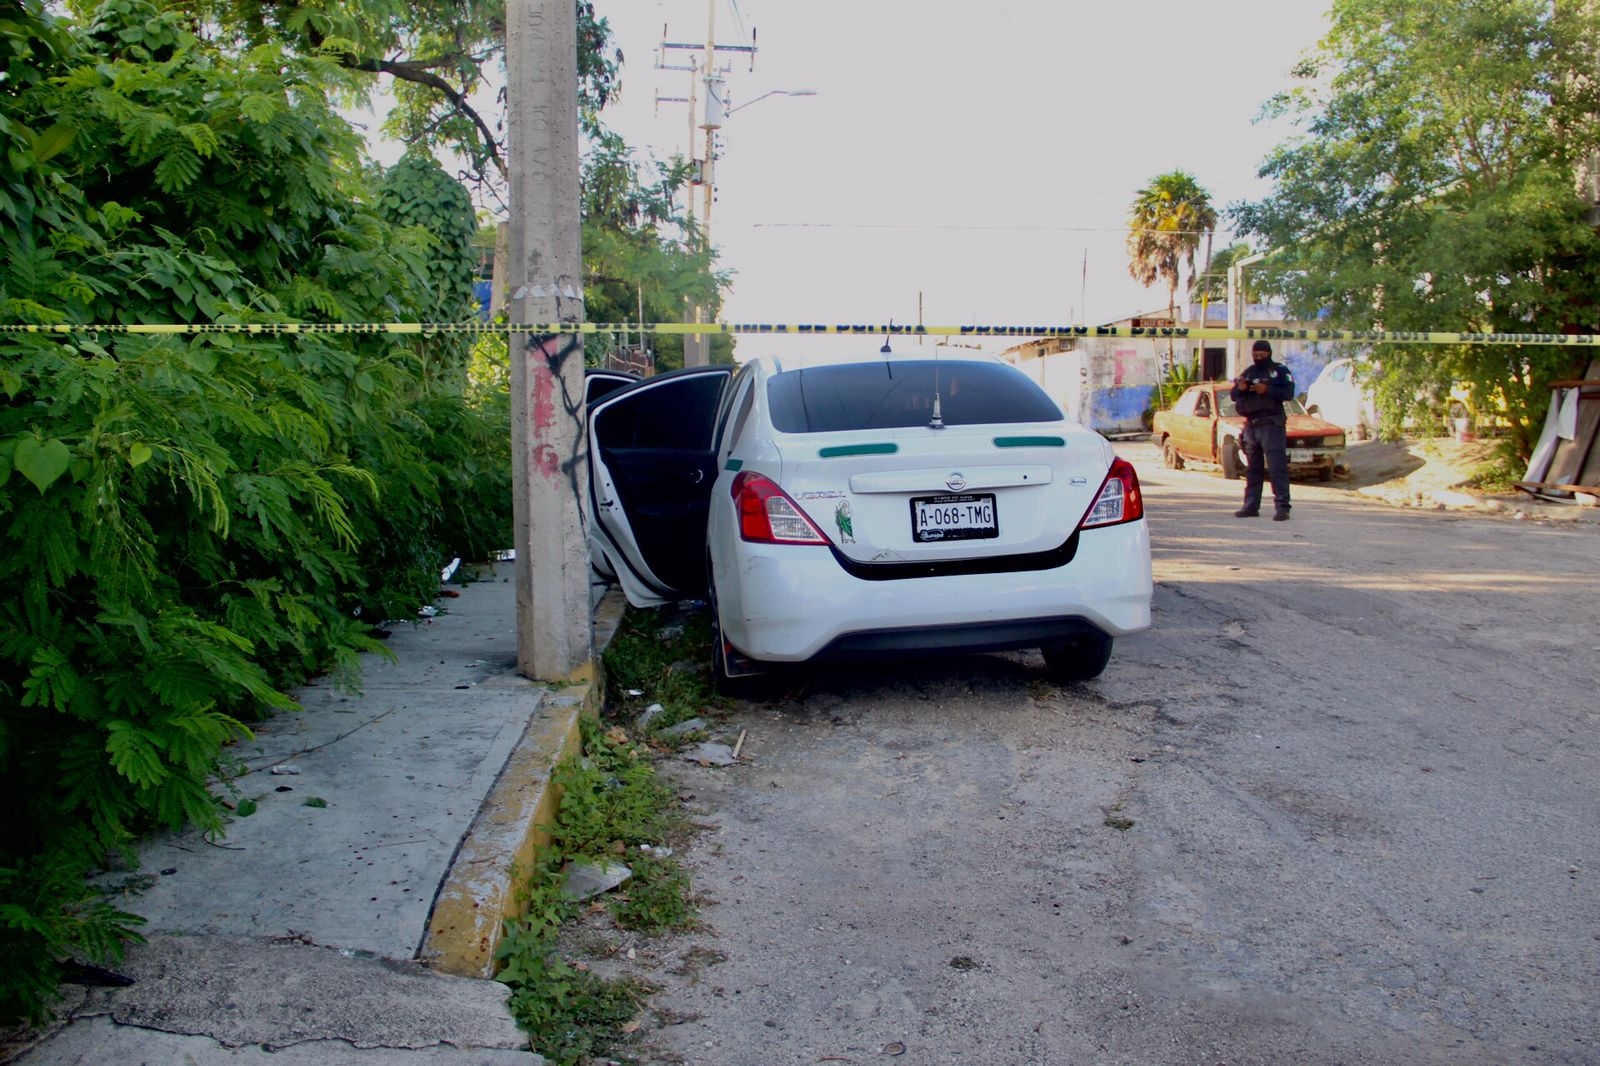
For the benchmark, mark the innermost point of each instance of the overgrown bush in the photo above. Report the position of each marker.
(194, 524)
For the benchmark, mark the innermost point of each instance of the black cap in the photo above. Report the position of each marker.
(1261, 346)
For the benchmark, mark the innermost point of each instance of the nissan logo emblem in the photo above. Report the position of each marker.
(956, 482)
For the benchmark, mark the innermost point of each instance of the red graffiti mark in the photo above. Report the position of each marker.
(547, 461)
(544, 399)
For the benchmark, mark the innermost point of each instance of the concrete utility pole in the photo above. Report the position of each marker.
(549, 453)
(1236, 305)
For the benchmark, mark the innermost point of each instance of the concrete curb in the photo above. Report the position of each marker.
(481, 890)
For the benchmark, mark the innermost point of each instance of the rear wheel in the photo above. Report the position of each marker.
(1170, 456)
(1078, 658)
(1232, 461)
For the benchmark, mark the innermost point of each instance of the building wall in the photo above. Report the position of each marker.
(1105, 383)
(1108, 383)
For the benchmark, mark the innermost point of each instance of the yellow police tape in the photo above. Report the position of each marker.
(1370, 336)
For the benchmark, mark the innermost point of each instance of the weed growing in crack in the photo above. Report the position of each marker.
(611, 804)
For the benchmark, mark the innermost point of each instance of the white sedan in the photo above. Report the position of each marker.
(887, 505)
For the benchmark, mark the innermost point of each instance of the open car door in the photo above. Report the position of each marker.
(599, 383)
(651, 468)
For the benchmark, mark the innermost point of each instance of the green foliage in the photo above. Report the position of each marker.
(418, 193)
(610, 803)
(633, 271)
(570, 1015)
(645, 656)
(610, 799)
(1500, 473)
(658, 897)
(1212, 285)
(431, 58)
(195, 523)
(47, 912)
(1174, 379)
(1435, 186)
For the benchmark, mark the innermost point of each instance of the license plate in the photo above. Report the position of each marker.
(1300, 455)
(965, 517)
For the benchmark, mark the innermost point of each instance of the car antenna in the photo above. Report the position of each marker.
(886, 350)
(937, 421)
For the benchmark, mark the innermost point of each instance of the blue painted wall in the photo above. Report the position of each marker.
(1119, 408)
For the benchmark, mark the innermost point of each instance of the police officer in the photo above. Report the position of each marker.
(1258, 394)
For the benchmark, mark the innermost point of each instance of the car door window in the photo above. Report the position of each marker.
(674, 416)
(1202, 406)
(655, 444)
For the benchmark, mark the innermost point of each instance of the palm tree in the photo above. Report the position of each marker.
(1165, 224)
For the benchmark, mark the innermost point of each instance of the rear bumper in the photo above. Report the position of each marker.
(791, 603)
(956, 639)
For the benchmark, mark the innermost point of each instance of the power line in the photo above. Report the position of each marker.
(953, 226)
(738, 18)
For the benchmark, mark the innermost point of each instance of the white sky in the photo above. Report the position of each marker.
(972, 153)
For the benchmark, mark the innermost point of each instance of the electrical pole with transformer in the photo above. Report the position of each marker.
(697, 346)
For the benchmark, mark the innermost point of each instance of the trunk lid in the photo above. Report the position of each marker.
(959, 492)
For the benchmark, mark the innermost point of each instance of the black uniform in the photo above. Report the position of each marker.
(1265, 438)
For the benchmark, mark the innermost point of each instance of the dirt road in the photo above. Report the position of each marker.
(1337, 806)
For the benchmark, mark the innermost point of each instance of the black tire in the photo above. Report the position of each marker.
(1232, 461)
(1325, 472)
(1079, 658)
(1170, 456)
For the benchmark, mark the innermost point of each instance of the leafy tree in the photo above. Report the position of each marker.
(1166, 223)
(417, 192)
(1211, 284)
(194, 523)
(1433, 186)
(633, 269)
(435, 58)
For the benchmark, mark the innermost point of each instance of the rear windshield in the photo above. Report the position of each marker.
(891, 395)
(1225, 401)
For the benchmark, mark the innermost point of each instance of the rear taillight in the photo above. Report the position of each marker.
(767, 516)
(1119, 499)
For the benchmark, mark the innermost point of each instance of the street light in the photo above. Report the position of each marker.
(773, 92)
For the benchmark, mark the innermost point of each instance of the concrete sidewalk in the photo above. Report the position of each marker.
(353, 917)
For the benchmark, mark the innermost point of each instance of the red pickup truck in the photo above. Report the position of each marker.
(1204, 427)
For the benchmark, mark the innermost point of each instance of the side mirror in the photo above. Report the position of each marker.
(1313, 410)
